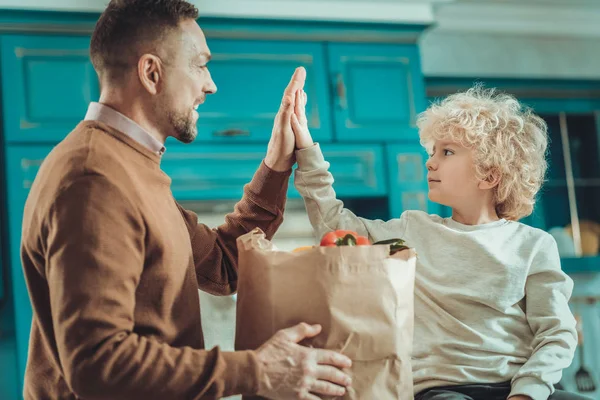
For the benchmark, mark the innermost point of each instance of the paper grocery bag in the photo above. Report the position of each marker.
(362, 297)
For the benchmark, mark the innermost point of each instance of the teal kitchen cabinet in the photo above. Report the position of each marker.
(378, 90)
(220, 172)
(408, 180)
(358, 170)
(553, 208)
(23, 162)
(47, 84)
(251, 77)
(3, 280)
(364, 88)
(8, 362)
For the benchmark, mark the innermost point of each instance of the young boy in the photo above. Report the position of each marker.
(491, 302)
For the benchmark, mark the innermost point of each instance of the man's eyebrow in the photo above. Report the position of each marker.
(200, 59)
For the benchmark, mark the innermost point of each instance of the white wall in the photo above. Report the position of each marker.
(461, 54)
(504, 38)
(386, 11)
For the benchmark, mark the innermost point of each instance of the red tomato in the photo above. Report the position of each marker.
(362, 241)
(342, 237)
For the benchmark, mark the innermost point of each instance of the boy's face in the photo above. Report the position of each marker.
(451, 175)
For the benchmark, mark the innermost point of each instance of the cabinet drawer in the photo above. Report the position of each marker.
(251, 77)
(220, 172)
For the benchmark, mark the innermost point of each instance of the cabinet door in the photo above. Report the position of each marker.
(220, 172)
(378, 91)
(47, 84)
(2, 260)
(8, 363)
(358, 170)
(251, 77)
(23, 162)
(408, 180)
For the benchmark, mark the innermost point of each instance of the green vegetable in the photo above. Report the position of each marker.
(396, 245)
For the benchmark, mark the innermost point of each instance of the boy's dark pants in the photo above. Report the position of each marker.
(488, 391)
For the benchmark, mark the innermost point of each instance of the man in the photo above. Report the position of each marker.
(113, 264)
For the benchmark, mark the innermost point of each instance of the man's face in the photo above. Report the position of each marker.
(187, 82)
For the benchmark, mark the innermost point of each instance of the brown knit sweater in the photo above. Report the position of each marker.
(113, 265)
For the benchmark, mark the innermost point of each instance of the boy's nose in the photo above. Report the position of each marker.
(430, 165)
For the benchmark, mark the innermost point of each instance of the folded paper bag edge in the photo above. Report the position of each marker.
(256, 239)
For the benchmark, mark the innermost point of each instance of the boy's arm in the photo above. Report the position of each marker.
(325, 211)
(547, 293)
(314, 183)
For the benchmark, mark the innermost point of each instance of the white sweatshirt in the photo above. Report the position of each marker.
(491, 301)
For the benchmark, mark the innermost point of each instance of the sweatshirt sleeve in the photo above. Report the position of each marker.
(215, 250)
(326, 212)
(95, 258)
(547, 293)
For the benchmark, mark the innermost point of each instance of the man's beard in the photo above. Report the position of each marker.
(184, 126)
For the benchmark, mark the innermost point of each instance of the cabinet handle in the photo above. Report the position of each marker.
(340, 89)
(231, 133)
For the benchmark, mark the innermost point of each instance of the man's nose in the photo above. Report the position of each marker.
(211, 86)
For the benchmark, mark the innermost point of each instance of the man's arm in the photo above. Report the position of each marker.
(215, 250)
(95, 253)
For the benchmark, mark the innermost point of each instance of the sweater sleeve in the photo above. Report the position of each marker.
(215, 250)
(326, 212)
(547, 293)
(95, 258)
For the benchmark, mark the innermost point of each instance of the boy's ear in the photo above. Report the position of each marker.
(492, 180)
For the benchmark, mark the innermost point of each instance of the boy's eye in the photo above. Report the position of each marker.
(448, 152)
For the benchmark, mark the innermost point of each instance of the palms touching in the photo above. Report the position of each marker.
(300, 122)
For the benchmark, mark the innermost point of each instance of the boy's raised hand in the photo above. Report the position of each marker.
(300, 123)
(280, 151)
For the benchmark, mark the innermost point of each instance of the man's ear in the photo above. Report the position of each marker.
(150, 73)
(492, 180)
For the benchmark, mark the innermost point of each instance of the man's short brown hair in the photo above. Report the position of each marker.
(129, 28)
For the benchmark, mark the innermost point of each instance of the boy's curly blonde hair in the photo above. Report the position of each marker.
(506, 138)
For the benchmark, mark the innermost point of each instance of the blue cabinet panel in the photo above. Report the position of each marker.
(2, 269)
(47, 84)
(358, 170)
(378, 91)
(251, 77)
(211, 172)
(23, 162)
(8, 370)
(220, 172)
(408, 180)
